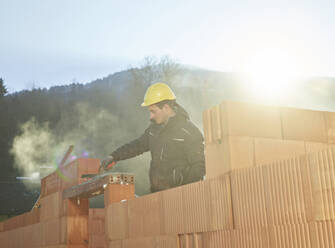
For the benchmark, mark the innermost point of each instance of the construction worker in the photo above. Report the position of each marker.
(175, 143)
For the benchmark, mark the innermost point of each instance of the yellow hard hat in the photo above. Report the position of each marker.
(156, 93)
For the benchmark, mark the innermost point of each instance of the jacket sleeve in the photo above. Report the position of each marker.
(133, 148)
(194, 150)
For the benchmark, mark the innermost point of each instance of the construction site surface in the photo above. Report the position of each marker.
(270, 182)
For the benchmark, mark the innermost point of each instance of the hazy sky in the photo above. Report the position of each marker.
(52, 42)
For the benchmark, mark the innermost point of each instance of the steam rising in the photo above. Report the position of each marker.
(94, 132)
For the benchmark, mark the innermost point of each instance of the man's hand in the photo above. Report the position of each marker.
(107, 163)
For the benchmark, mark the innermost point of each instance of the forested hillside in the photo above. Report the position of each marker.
(38, 125)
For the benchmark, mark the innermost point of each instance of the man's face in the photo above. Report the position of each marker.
(158, 115)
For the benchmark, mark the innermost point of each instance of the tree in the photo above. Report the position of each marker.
(153, 70)
(3, 89)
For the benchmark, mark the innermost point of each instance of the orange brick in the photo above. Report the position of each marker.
(147, 242)
(70, 174)
(152, 213)
(253, 238)
(317, 146)
(269, 150)
(197, 207)
(218, 239)
(233, 153)
(322, 171)
(144, 215)
(97, 241)
(191, 240)
(14, 222)
(50, 184)
(75, 207)
(248, 198)
(32, 217)
(37, 234)
(28, 236)
(173, 214)
(330, 121)
(288, 192)
(118, 192)
(221, 203)
(302, 124)
(290, 236)
(74, 230)
(322, 234)
(207, 123)
(15, 238)
(2, 226)
(97, 213)
(115, 244)
(51, 206)
(246, 119)
(116, 223)
(51, 232)
(168, 241)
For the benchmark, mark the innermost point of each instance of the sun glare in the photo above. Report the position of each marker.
(270, 74)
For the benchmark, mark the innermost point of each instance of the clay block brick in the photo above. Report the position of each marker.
(96, 226)
(14, 222)
(144, 215)
(288, 192)
(2, 228)
(118, 192)
(302, 124)
(290, 236)
(207, 123)
(221, 203)
(322, 171)
(253, 238)
(322, 234)
(97, 241)
(248, 198)
(115, 244)
(152, 206)
(218, 239)
(51, 232)
(317, 146)
(246, 119)
(147, 242)
(28, 236)
(37, 234)
(75, 207)
(97, 213)
(269, 150)
(233, 153)
(197, 207)
(51, 206)
(50, 184)
(330, 122)
(70, 174)
(191, 240)
(116, 223)
(74, 230)
(173, 214)
(167, 241)
(32, 217)
(16, 238)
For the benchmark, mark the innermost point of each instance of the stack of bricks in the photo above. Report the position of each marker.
(57, 223)
(242, 135)
(270, 183)
(96, 228)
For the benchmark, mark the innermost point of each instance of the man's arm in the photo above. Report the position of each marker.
(132, 149)
(194, 150)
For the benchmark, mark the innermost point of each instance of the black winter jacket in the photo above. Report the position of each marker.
(177, 152)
